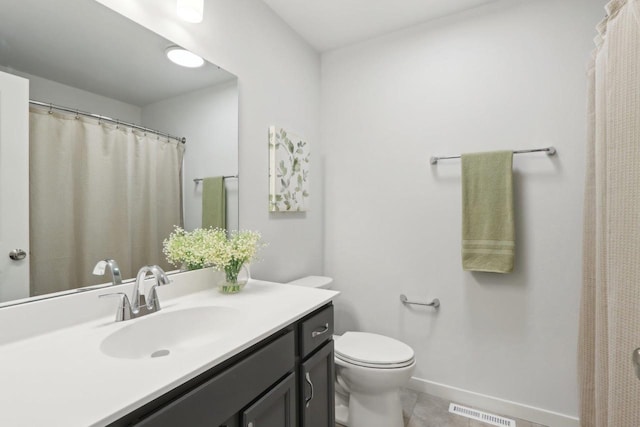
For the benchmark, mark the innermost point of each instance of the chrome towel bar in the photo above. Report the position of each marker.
(197, 180)
(551, 151)
(435, 303)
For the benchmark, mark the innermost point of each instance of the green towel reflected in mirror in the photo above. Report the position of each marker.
(214, 209)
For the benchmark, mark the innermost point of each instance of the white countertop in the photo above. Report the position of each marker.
(62, 378)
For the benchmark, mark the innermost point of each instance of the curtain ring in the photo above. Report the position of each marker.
(117, 124)
(50, 108)
(77, 115)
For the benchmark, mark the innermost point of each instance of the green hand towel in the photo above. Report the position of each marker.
(488, 232)
(214, 207)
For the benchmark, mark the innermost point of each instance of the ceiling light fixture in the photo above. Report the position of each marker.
(190, 10)
(183, 57)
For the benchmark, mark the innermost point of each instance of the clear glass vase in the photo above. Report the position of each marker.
(234, 281)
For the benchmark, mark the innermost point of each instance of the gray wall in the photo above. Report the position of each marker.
(509, 75)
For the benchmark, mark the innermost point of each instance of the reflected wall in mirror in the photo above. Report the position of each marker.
(118, 193)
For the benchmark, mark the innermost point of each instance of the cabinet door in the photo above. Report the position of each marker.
(231, 422)
(277, 408)
(317, 402)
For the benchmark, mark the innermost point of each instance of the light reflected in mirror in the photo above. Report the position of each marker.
(117, 193)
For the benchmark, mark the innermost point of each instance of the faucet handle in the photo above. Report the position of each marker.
(125, 312)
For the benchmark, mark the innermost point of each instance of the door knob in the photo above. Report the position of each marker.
(636, 361)
(17, 254)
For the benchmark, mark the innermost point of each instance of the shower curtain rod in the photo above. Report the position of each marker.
(116, 122)
(549, 150)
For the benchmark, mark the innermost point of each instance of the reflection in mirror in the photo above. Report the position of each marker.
(99, 187)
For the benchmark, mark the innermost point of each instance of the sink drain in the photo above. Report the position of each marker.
(160, 353)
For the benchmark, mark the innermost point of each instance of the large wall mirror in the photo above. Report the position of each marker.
(98, 187)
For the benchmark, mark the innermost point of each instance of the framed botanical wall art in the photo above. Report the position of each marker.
(289, 163)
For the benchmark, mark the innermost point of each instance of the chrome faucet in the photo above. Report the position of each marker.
(139, 306)
(101, 267)
(152, 304)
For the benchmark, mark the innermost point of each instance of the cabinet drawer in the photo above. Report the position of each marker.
(316, 330)
(215, 401)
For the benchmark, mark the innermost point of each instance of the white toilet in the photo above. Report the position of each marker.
(370, 369)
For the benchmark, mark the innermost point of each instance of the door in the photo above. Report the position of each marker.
(317, 402)
(277, 408)
(14, 187)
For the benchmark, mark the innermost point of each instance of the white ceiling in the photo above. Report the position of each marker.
(330, 24)
(88, 46)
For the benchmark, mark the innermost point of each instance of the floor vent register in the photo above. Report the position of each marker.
(485, 417)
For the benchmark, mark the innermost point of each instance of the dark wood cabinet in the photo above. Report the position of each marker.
(287, 380)
(316, 370)
(317, 398)
(219, 398)
(277, 408)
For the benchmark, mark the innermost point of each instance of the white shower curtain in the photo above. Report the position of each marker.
(97, 191)
(610, 307)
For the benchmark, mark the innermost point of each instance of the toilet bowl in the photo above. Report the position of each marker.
(370, 369)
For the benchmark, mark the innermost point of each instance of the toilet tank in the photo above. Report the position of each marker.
(321, 282)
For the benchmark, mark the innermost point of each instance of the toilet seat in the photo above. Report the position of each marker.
(373, 351)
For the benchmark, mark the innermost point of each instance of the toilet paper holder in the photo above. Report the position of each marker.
(435, 303)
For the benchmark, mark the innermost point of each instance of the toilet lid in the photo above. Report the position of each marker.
(373, 350)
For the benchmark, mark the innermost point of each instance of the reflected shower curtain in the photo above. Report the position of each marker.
(97, 191)
(610, 306)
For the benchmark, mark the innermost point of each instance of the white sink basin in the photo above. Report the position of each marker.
(165, 333)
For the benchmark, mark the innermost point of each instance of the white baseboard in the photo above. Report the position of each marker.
(493, 404)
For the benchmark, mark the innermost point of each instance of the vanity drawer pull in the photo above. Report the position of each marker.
(316, 329)
(320, 331)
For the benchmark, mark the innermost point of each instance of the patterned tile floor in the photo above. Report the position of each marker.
(424, 410)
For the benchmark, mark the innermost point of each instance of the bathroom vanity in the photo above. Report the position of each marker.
(285, 380)
(263, 357)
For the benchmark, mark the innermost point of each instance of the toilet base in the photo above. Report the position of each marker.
(342, 414)
(380, 410)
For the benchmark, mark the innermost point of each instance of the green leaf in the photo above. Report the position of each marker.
(305, 193)
(283, 168)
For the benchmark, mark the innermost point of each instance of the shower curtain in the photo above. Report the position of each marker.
(610, 306)
(97, 191)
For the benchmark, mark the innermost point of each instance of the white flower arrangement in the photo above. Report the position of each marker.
(190, 249)
(211, 247)
(229, 254)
